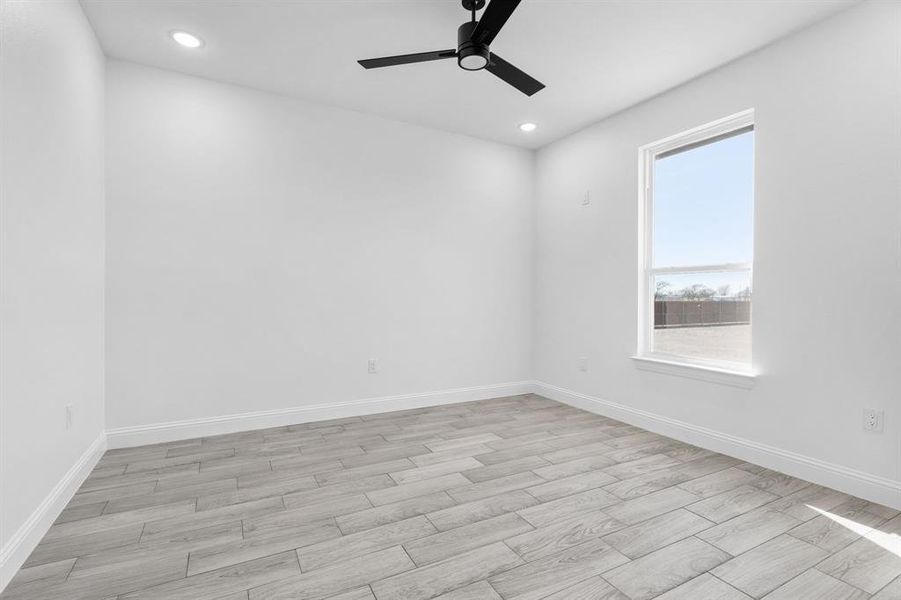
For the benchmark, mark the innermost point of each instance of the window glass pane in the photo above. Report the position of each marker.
(703, 315)
(703, 204)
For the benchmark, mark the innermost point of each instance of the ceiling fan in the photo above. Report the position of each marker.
(472, 52)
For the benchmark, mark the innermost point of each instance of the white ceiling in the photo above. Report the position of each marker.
(596, 57)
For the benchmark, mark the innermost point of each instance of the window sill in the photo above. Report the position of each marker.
(741, 379)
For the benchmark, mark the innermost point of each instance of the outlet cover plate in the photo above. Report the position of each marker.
(873, 420)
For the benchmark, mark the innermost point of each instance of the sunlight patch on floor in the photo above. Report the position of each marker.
(891, 542)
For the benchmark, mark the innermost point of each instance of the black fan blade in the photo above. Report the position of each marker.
(526, 84)
(494, 17)
(405, 59)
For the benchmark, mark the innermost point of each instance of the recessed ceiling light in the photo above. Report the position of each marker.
(528, 127)
(186, 39)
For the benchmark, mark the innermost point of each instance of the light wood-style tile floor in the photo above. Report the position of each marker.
(516, 498)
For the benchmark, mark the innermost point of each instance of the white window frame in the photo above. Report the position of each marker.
(731, 373)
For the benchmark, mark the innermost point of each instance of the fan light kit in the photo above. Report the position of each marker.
(528, 127)
(472, 53)
(186, 39)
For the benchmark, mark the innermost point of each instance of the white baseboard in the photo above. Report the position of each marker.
(851, 481)
(125, 437)
(17, 549)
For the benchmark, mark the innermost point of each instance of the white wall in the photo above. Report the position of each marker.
(51, 259)
(261, 249)
(827, 297)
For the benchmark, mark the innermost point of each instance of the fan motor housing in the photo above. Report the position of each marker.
(471, 55)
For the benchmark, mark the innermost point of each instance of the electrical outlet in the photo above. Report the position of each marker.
(872, 420)
(373, 366)
(583, 364)
(68, 416)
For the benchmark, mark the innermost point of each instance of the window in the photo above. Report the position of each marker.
(697, 246)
